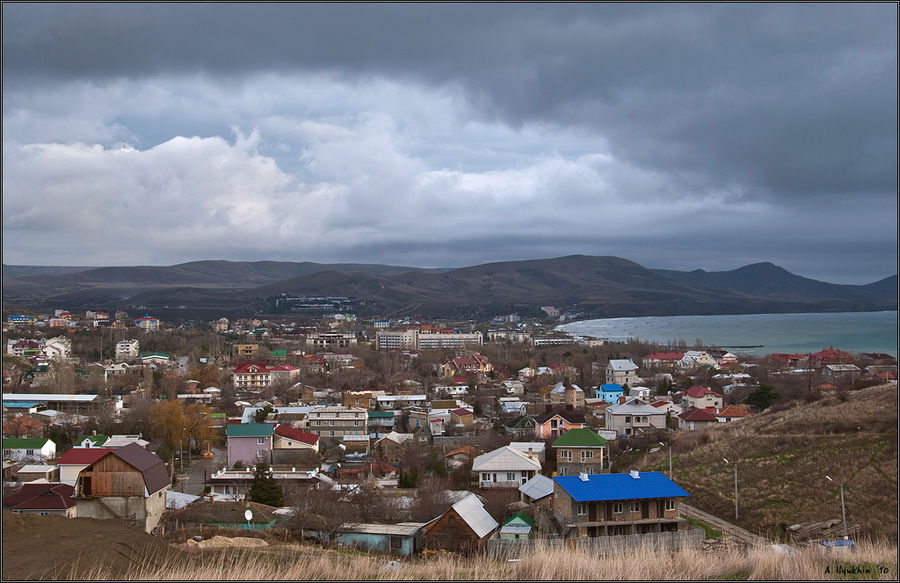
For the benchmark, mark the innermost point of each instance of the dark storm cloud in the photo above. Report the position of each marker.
(785, 100)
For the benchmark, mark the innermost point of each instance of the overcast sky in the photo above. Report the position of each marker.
(676, 136)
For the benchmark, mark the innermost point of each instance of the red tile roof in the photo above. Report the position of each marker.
(461, 412)
(732, 411)
(698, 392)
(695, 414)
(296, 434)
(42, 497)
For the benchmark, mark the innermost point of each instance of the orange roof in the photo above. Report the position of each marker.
(732, 411)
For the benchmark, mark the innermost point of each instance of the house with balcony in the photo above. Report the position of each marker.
(127, 350)
(249, 443)
(621, 372)
(633, 416)
(505, 467)
(337, 421)
(661, 361)
(581, 451)
(701, 398)
(617, 504)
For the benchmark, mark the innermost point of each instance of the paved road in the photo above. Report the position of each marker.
(735, 532)
(198, 470)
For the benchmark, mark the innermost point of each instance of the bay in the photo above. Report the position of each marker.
(755, 334)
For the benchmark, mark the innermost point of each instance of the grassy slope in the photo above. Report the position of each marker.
(783, 458)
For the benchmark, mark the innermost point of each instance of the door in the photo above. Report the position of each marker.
(592, 511)
(645, 509)
(609, 510)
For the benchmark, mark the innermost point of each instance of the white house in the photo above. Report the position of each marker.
(28, 449)
(694, 358)
(621, 372)
(632, 416)
(505, 467)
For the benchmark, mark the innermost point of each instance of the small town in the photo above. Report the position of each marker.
(395, 437)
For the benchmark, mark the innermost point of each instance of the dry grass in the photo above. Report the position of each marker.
(783, 458)
(304, 562)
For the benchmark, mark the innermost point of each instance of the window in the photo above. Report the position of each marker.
(586, 454)
(670, 505)
(635, 506)
(565, 455)
(261, 440)
(553, 423)
(627, 419)
(618, 508)
(356, 422)
(260, 453)
(485, 477)
(396, 542)
(451, 520)
(510, 476)
(581, 509)
(318, 422)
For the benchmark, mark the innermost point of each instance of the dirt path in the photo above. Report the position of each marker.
(736, 532)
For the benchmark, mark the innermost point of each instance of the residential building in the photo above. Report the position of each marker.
(426, 338)
(580, 451)
(533, 449)
(621, 372)
(504, 467)
(244, 352)
(617, 504)
(42, 498)
(842, 373)
(249, 443)
(127, 350)
(462, 417)
(701, 398)
(553, 423)
(252, 375)
(76, 459)
(336, 421)
(661, 360)
(391, 448)
(538, 491)
(694, 418)
(518, 526)
(474, 365)
(463, 527)
(29, 449)
(128, 483)
(569, 395)
(694, 358)
(731, 413)
(331, 340)
(381, 423)
(610, 392)
(147, 323)
(286, 437)
(236, 483)
(57, 348)
(402, 538)
(632, 416)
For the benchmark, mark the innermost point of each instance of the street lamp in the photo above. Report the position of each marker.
(843, 510)
(735, 489)
(669, 448)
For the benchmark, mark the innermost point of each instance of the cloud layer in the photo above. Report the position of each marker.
(678, 136)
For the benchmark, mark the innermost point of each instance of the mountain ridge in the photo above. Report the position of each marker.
(597, 286)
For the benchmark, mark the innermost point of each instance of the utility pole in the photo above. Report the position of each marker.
(735, 488)
(843, 508)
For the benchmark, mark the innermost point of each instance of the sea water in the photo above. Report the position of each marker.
(755, 334)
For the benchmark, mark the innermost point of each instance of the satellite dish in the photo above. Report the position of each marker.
(248, 515)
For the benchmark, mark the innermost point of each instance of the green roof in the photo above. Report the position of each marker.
(250, 430)
(520, 517)
(279, 353)
(579, 438)
(96, 440)
(217, 416)
(383, 414)
(23, 443)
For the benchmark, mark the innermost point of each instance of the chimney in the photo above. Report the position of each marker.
(93, 432)
(583, 477)
(635, 474)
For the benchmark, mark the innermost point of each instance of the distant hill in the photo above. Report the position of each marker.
(594, 286)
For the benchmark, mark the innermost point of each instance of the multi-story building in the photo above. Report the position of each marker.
(617, 504)
(331, 339)
(252, 375)
(701, 398)
(241, 352)
(621, 372)
(147, 323)
(127, 350)
(580, 451)
(337, 421)
(571, 395)
(632, 416)
(426, 338)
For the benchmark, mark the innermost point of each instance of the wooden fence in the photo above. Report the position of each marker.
(602, 545)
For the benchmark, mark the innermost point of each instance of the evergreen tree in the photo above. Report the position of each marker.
(763, 397)
(265, 488)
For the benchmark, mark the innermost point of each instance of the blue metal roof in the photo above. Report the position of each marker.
(602, 487)
(612, 387)
(23, 404)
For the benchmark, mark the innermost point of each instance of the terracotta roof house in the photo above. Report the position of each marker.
(701, 397)
(128, 483)
(661, 360)
(832, 355)
(695, 418)
(459, 456)
(731, 413)
(42, 499)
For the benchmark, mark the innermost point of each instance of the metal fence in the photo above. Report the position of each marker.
(602, 545)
